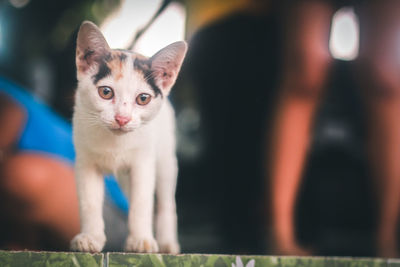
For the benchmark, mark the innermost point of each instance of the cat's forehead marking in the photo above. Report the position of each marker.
(116, 64)
(142, 65)
(111, 63)
(103, 70)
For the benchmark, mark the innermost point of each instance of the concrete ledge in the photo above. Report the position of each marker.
(67, 259)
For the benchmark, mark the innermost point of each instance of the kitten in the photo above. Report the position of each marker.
(124, 125)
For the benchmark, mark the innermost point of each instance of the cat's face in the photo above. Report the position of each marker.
(119, 89)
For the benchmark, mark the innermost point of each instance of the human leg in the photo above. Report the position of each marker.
(306, 61)
(379, 66)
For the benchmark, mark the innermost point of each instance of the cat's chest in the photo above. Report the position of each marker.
(114, 161)
(110, 152)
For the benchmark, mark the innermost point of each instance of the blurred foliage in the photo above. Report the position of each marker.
(91, 10)
(45, 31)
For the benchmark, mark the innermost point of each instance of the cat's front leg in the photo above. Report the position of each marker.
(90, 188)
(166, 220)
(141, 202)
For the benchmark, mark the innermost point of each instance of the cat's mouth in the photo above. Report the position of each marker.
(120, 131)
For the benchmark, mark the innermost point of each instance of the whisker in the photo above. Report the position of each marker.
(151, 75)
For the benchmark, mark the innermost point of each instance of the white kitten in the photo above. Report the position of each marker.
(124, 125)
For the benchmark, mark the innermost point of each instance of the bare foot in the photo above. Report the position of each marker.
(387, 250)
(387, 243)
(290, 248)
(293, 249)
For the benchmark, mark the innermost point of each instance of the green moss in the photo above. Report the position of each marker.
(49, 259)
(69, 259)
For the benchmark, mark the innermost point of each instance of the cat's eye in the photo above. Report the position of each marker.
(143, 99)
(106, 92)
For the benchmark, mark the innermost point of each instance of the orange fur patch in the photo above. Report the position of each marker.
(116, 65)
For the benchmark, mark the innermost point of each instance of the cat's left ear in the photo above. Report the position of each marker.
(166, 63)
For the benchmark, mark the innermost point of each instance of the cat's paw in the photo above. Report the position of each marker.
(87, 243)
(141, 245)
(169, 247)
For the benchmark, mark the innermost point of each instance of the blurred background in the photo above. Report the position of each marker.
(226, 101)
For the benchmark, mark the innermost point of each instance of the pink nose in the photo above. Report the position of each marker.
(121, 120)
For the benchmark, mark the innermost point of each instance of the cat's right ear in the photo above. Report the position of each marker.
(90, 46)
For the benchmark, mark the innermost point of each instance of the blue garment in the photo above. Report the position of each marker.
(46, 132)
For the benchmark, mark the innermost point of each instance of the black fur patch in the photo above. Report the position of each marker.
(144, 66)
(122, 57)
(104, 70)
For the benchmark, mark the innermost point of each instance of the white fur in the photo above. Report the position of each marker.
(140, 154)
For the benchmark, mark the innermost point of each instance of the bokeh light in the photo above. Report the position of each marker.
(344, 39)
